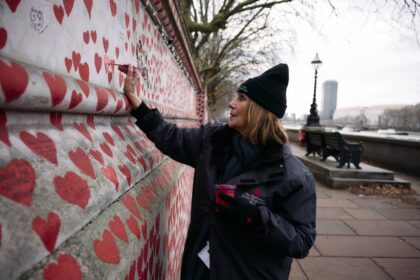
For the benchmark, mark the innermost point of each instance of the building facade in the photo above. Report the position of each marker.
(329, 99)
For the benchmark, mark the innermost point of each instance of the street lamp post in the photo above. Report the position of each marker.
(313, 118)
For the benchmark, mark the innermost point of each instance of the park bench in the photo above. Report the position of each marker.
(333, 144)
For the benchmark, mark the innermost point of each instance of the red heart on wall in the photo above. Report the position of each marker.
(108, 138)
(86, 37)
(13, 80)
(57, 87)
(117, 52)
(105, 42)
(18, 181)
(83, 130)
(117, 227)
(133, 226)
(55, 119)
(76, 98)
(84, 71)
(68, 6)
(83, 86)
(106, 249)
(109, 77)
(82, 161)
(144, 229)
(130, 157)
(97, 155)
(73, 189)
(132, 274)
(90, 120)
(127, 20)
(143, 163)
(93, 35)
(118, 106)
(66, 268)
(134, 24)
(98, 62)
(102, 98)
(113, 7)
(41, 145)
(3, 37)
(112, 93)
(111, 175)
(143, 203)
(68, 63)
(47, 229)
(88, 4)
(59, 13)
(76, 59)
(130, 203)
(4, 133)
(13, 4)
(124, 170)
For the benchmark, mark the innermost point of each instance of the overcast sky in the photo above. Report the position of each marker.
(373, 63)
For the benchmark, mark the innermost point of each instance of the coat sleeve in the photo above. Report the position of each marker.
(181, 144)
(290, 231)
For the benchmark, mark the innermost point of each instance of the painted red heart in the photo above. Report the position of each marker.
(4, 132)
(47, 229)
(128, 36)
(117, 52)
(111, 175)
(83, 86)
(84, 71)
(76, 57)
(105, 43)
(69, 63)
(138, 146)
(76, 98)
(66, 268)
(127, 20)
(143, 163)
(13, 4)
(59, 13)
(55, 119)
(86, 37)
(90, 120)
(109, 77)
(102, 99)
(130, 157)
(112, 93)
(83, 130)
(117, 227)
(98, 62)
(130, 149)
(137, 6)
(73, 189)
(57, 87)
(82, 161)
(133, 48)
(97, 155)
(151, 162)
(132, 274)
(18, 181)
(13, 80)
(113, 7)
(134, 24)
(106, 149)
(133, 226)
(41, 145)
(124, 170)
(126, 46)
(141, 200)
(93, 35)
(118, 106)
(106, 249)
(108, 138)
(88, 4)
(130, 203)
(68, 6)
(118, 131)
(3, 37)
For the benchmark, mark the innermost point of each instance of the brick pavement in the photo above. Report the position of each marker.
(362, 237)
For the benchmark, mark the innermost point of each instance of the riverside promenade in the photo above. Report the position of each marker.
(362, 237)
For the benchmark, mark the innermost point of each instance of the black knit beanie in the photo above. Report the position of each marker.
(269, 89)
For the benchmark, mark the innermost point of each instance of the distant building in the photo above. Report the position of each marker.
(329, 99)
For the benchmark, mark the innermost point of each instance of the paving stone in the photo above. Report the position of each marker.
(332, 213)
(313, 252)
(333, 227)
(322, 194)
(383, 228)
(401, 214)
(336, 202)
(415, 241)
(327, 268)
(364, 214)
(364, 246)
(296, 272)
(373, 203)
(399, 268)
(414, 223)
(341, 194)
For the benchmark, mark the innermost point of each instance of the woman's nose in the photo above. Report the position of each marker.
(231, 104)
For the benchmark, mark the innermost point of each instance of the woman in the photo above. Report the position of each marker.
(271, 217)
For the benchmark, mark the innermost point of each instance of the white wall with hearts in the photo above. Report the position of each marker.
(83, 193)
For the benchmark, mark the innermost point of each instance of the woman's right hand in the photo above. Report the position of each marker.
(129, 89)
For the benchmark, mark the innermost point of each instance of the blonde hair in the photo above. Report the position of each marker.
(262, 126)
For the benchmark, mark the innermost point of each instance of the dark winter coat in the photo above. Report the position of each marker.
(287, 225)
